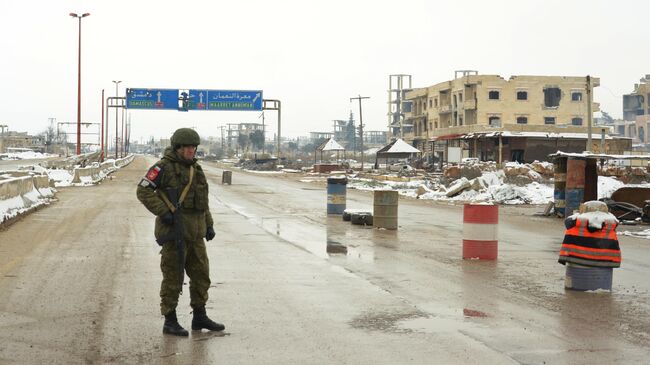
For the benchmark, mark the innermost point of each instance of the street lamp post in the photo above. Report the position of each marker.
(79, 83)
(116, 135)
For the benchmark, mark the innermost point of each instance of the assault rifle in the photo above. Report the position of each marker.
(171, 199)
(172, 193)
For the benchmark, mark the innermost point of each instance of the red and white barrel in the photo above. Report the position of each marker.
(480, 231)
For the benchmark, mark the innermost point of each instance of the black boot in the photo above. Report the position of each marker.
(201, 321)
(172, 327)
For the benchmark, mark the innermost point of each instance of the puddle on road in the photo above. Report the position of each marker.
(451, 320)
(204, 336)
(386, 321)
(335, 237)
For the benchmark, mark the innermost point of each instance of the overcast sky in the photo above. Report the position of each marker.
(313, 56)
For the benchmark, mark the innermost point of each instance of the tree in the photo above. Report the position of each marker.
(49, 137)
(243, 140)
(350, 135)
(308, 148)
(257, 139)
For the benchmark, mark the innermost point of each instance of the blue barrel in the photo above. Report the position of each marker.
(583, 278)
(559, 194)
(573, 199)
(336, 187)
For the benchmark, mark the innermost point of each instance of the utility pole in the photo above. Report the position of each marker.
(101, 154)
(360, 124)
(589, 114)
(222, 141)
(263, 132)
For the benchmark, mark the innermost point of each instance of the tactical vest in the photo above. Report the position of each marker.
(177, 176)
(599, 248)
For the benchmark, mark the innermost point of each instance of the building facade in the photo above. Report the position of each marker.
(10, 139)
(637, 103)
(475, 112)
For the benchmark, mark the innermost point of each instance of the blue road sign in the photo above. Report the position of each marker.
(184, 100)
(234, 99)
(198, 100)
(164, 99)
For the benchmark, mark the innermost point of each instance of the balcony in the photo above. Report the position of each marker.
(469, 104)
(444, 109)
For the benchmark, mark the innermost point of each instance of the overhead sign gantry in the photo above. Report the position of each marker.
(194, 99)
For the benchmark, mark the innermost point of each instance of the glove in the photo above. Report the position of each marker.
(209, 234)
(167, 219)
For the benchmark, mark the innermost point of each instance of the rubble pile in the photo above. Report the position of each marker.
(626, 174)
(254, 166)
(516, 183)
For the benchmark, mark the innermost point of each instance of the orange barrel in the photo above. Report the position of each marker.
(559, 193)
(575, 184)
(385, 209)
(226, 177)
(480, 231)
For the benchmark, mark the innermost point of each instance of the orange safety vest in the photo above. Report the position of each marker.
(599, 248)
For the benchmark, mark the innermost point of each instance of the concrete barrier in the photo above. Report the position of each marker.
(86, 175)
(16, 186)
(97, 172)
(41, 181)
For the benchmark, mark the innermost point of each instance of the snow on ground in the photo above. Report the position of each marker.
(640, 234)
(27, 155)
(10, 208)
(494, 191)
(607, 185)
(262, 172)
(61, 178)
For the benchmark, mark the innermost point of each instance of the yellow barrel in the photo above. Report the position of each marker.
(385, 209)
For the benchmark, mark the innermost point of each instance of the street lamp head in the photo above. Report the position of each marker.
(85, 14)
(73, 15)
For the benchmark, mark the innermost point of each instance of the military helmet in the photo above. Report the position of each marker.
(185, 136)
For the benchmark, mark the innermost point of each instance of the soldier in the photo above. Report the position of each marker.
(178, 170)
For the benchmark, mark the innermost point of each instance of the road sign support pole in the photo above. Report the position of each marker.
(101, 156)
(273, 104)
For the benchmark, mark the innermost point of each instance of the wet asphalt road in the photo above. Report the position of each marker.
(79, 283)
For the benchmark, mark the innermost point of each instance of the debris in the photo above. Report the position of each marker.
(458, 186)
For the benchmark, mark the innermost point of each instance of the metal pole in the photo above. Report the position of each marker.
(116, 117)
(589, 114)
(122, 145)
(78, 149)
(101, 155)
(106, 135)
(361, 125)
(279, 127)
(79, 93)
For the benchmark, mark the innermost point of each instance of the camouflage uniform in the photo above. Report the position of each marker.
(173, 171)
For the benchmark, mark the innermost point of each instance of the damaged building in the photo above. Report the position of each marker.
(636, 115)
(520, 119)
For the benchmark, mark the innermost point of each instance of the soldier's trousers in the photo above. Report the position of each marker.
(197, 268)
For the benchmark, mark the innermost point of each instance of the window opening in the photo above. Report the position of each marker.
(552, 97)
